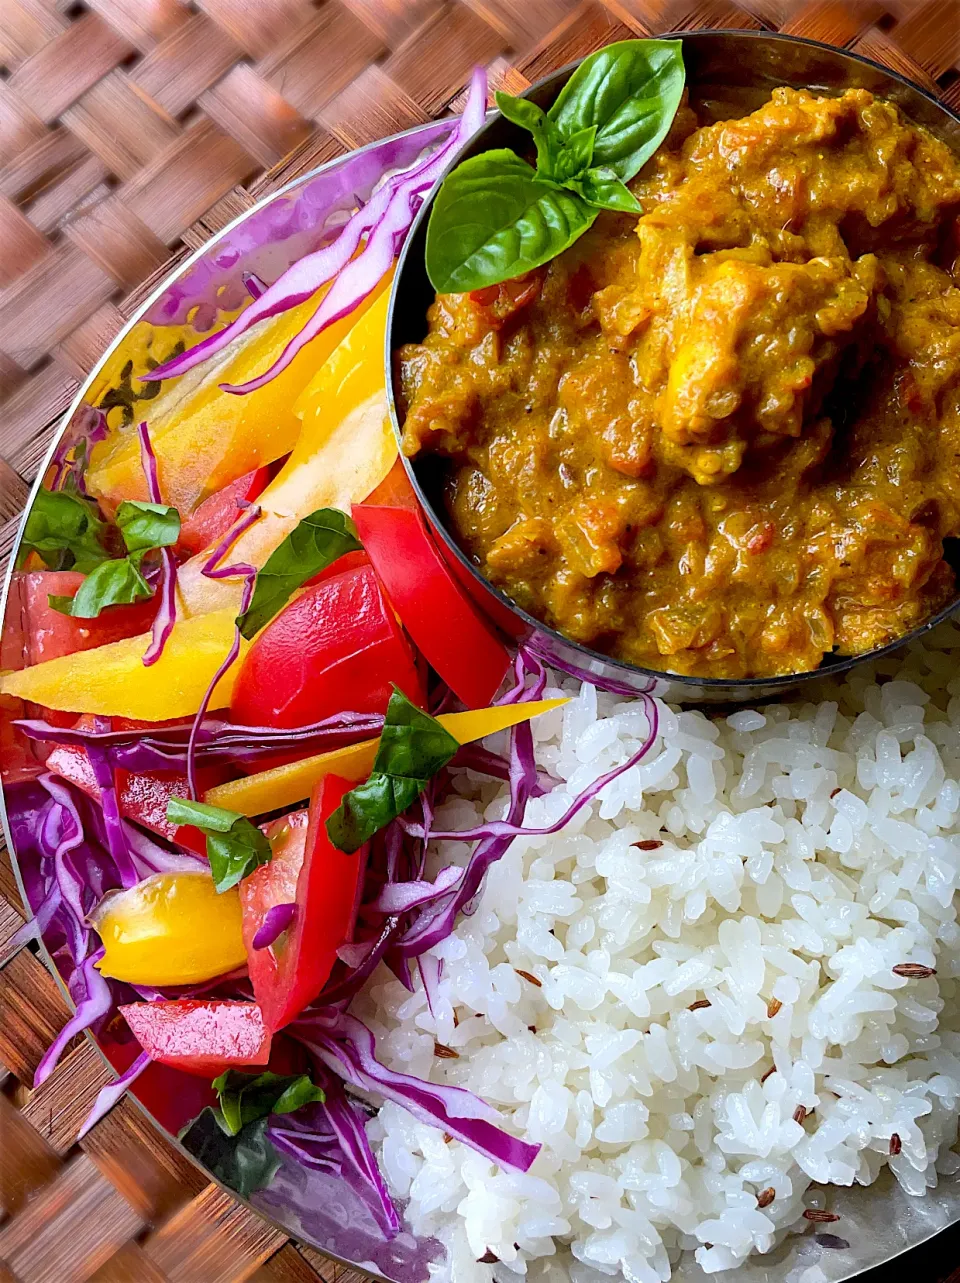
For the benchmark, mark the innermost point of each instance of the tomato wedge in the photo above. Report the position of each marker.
(214, 517)
(324, 884)
(49, 634)
(201, 1037)
(337, 647)
(444, 624)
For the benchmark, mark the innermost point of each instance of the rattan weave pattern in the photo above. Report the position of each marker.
(130, 131)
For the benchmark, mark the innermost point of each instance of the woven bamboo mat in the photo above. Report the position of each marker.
(131, 131)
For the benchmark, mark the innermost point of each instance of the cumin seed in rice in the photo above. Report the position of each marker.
(799, 1114)
(895, 1145)
(766, 1197)
(819, 1217)
(773, 1006)
(525, 975)
(913, 970)
(445, 1053)
(649, 844)
(699, 1004)
(767, 1073)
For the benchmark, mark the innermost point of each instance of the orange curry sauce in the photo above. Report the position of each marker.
(723, 440)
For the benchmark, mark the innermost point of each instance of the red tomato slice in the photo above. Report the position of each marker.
(141, 796)
(214, 517)
(337, 647)
(201, 1037)
(49, 634)
(444, 624)
(324, 883)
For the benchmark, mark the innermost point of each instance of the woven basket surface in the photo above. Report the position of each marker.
(130, 132)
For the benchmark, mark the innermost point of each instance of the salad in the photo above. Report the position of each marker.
(243, 679)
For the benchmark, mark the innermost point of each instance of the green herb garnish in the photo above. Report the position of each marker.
(496, 217)
(235, 846)
(65, 530)
(413, 747)
(318, 541)
(244, 1098)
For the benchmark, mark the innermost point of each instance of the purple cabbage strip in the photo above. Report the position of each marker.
(96, 1001)
(113, 826)
(343, 991)
(88, 425)
(431, 971)
(213, 571)
(346, 1046)
(253, 285)
(166, 615)
(109, 1095)
(150, 857)
(331, 1136)
(608, 684)
(275, 922)
(384, 220)
(401, 897)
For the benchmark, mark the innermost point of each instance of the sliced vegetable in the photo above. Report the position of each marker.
(444, 624)
(201, 1037)
(171, 929)
(413, 748)
(316, 543)
(324, 883)
(49, 634)
(337, 646)
(235, 847)
(287, 785)
(167, 609)
(243, 1098)
(214, 517)
(112, 680)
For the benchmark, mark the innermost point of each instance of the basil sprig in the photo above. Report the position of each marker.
(230, 1139)
(413, 747)
(144, 527)
(235, 846)
(65, 530)
(496, 217)
(316, 543)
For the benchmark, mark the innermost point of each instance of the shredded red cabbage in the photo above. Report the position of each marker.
(109, 1095)
(86, 427)
(94, 1000)
(166, 615)
(346, 1046)
(275, 922)
(384, 221)
(113, 826)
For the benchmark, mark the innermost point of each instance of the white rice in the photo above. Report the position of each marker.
(807, 849)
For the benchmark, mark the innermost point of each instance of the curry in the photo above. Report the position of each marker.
(722, 440)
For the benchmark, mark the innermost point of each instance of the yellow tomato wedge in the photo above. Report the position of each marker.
(203, 437)
(112, 680)
(285, 785)
(345, 450)
(172, 929)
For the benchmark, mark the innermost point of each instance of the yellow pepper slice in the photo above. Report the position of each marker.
(172, 929)
(111, 680)
(345, 450)
(285, 785)
(204, 437)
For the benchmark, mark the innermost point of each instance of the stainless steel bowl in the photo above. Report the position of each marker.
(719, 63)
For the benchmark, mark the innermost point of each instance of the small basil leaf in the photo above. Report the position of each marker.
(631, 92)
(65, 530)
(575, 155)
(235, 846)
(145, 526)
(413, 747)
(493, 219)
(603, 189)
(316, 543)
(113, 583)
(546, 136)
(244, 1098)
(244, 1163)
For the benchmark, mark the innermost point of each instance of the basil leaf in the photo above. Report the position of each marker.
(113, 583)
(546, 135)
(494, 219)
(245, 1162)
(316, 543)
(631, 92)
(146, 526)
(65, 530)
(413, 747)
(244, 1098)
(235, 846)
(575, 155)
(603, 189)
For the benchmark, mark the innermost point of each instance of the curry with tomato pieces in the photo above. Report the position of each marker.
(724, 439)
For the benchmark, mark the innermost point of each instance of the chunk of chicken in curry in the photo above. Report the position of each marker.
(723, 440)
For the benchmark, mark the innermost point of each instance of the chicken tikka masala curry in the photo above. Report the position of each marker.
(722, 440)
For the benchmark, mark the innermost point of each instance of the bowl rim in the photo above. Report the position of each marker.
(714, 687)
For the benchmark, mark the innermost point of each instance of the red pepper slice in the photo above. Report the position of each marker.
(324, 883)
(49, 634)
(214, 517)
(337, 647)
(436, 612)
(201, 1037)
